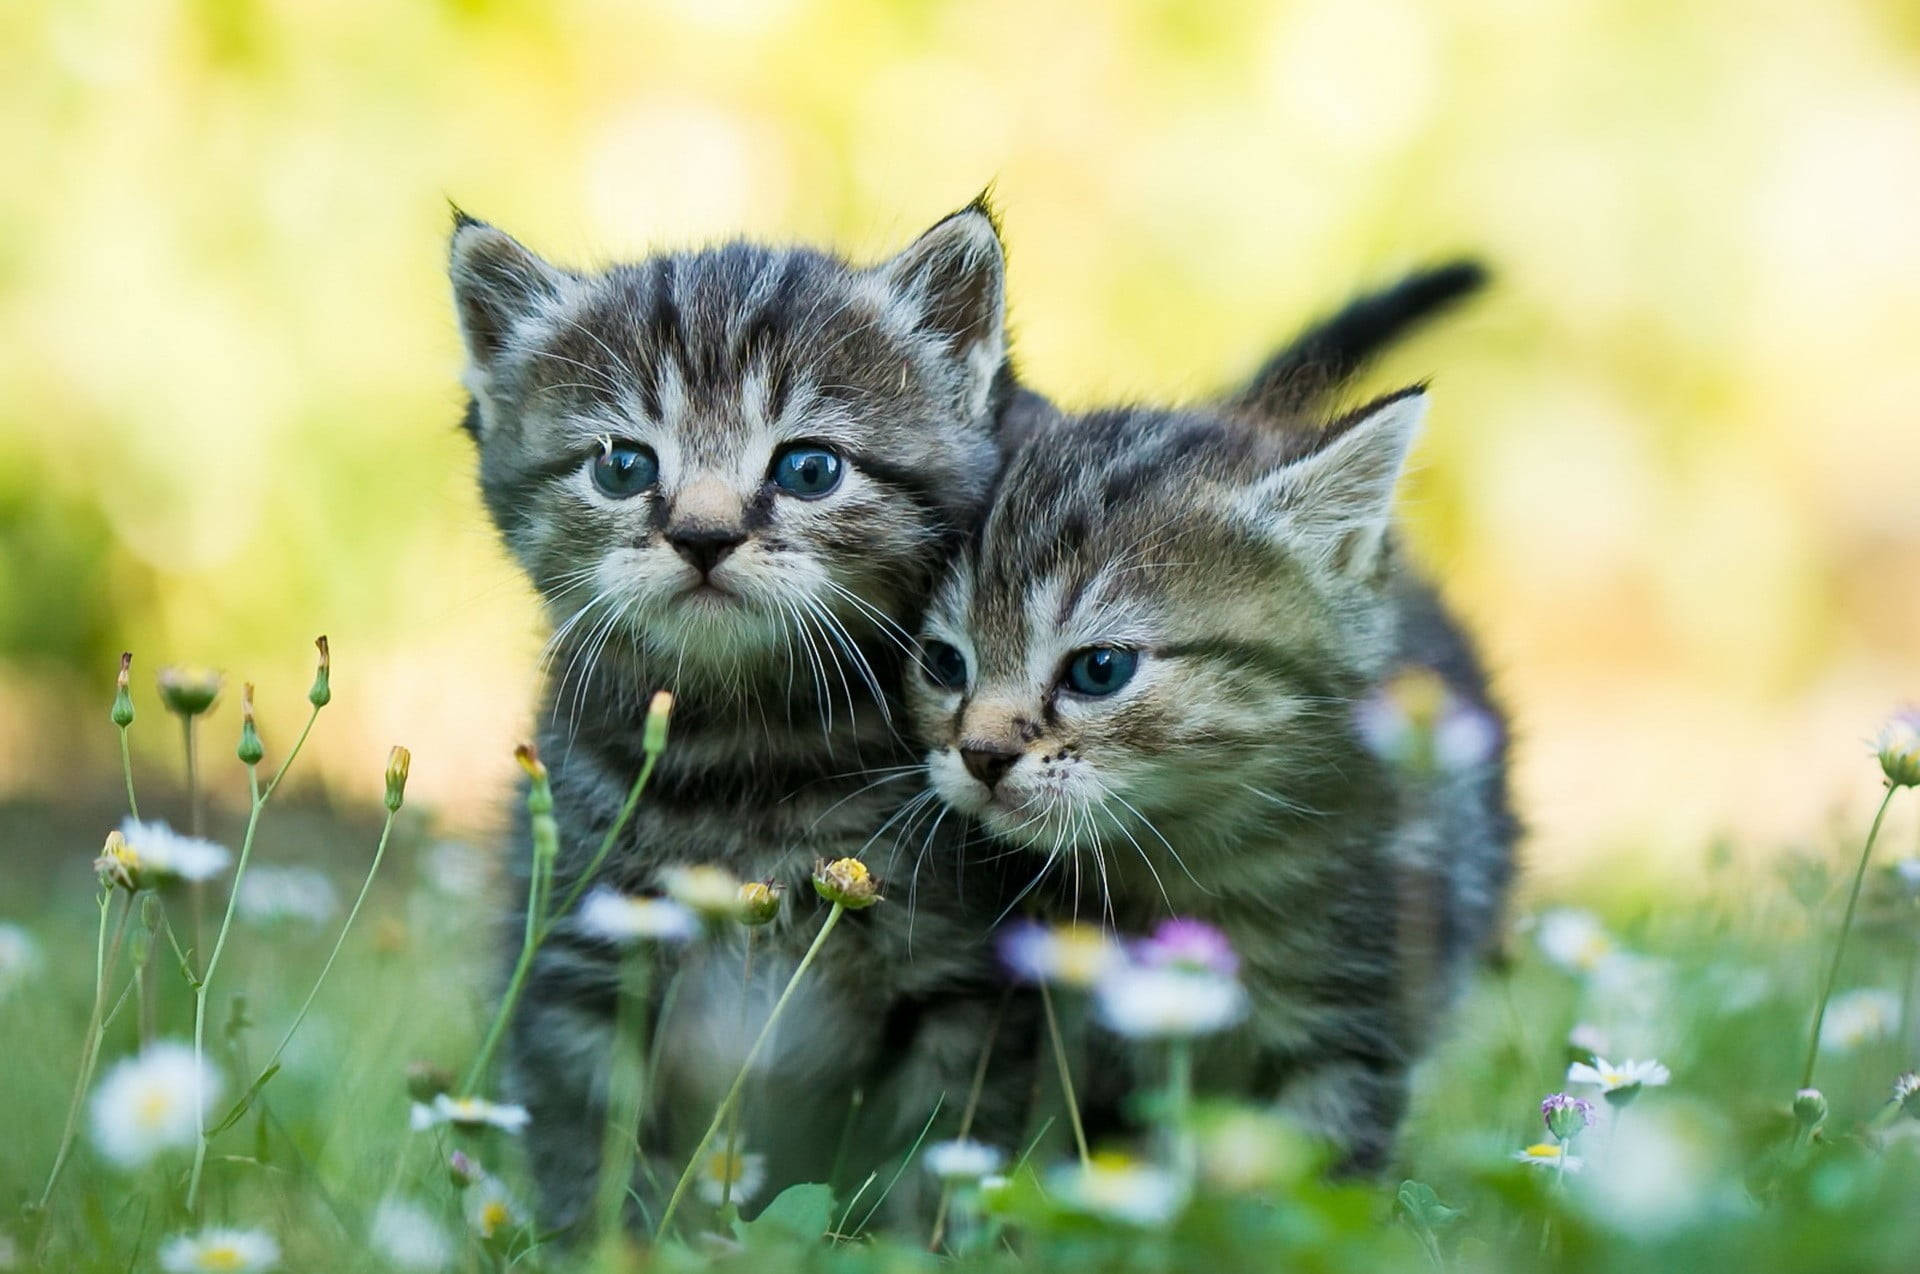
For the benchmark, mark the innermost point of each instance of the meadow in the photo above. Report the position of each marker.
(1641, 1090)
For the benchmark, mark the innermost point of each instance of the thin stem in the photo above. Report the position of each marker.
(606, 843)
(626, 1097)
(380, 852)
(1840, 944)
(126, 771)
(1179, 1103)
(196, 813)
(105, 953)
(1066, 1077)
(746, 1066)
(260, 798)
(966, 1123)
(530, 939)
(733, 1120)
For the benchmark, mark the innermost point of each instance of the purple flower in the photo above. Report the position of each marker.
(1416, 721)
(1188, 944)
(1565, 1115)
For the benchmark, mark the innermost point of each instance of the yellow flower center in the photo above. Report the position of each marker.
(1082, 952)
(1543, 1150)
(725, 1168)
(493, 1215)
(222, 1256)
(153, 1108)
(1593, 951)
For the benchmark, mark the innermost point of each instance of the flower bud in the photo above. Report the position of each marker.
(321, 694)
(846, 881)
(1906, 1093)
(250, 750)
(539, 791)
(712, 892)
(122, 695)
(760, 902)
(399, 761)
(1810, 1107)
(425, 1081)
(1898, 747)
(464, 1170)
(188, 691)
(653, 738)
(118, 864)
(1566, 1116)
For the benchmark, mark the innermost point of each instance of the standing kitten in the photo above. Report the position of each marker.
(735, 473)
(1145, 669)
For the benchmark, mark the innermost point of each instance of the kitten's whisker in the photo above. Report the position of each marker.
(1147, 823)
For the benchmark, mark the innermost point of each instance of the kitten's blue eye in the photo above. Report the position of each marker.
(1100, 670)
(625, 469)
(807, 470)
(945, 667)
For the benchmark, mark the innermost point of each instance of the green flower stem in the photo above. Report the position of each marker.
(1840, 943)
(1180, 1104)
(966, 1123)
(627, 1084)
(733, 1119)
(746, 1067)
(126, 772)
(366, 886)
(1066, 1076)
(105, 953)
(606, 844)
(260, 798)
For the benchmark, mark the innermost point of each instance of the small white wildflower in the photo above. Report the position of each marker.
(469, 1113)
(1859, 1017)
(1550, 1154)
(268, 894)
(710, 892)
(145, 1104)
(748, 1173)
(492, 1211)
(1898, 748)
(963, 1160)
(20, 957)
(1154, 1003)
(623, 918)
(228, 1251)
(1574, 939)
(166, 855)
(408, 1237)
(454, 867)
(1120, 1188)
(1619, 1083)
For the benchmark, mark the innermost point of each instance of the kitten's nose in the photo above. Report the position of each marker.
(988, 764)
(705, 545)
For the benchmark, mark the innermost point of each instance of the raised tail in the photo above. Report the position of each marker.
(1328, 353)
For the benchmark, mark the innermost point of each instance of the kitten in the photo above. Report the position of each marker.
(735, 473)
(1145, 669)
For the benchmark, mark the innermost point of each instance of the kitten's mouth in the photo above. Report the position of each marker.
(707, 593)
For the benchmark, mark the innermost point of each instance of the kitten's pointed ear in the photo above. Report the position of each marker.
(1334, 504)
(498, 285)
(951, 282)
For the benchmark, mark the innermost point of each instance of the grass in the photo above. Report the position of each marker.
(1716, 1169)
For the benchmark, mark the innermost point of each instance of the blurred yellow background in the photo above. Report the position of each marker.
(1673, 471)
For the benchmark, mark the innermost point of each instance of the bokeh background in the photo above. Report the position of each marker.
(1673, 472)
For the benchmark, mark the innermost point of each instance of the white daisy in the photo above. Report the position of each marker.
(1859, 1017)
(492, 1211)
(1574, 939)
(963, 1160)
(1898, 747)
(227, 1251)
(711, 892)
(1550, 1154)
(747, 1172)
(1071, 954)
(624, 918)
(1120, 1188)
(267, 894)
(162, 854)
(1153, 1003)
(146, 1104)
(454, 867)
(408, 1237)
(1613, 1078)
(469, 1113)
(20, 957)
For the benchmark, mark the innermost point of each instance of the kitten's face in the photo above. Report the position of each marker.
(1165, 618)
(733, 457)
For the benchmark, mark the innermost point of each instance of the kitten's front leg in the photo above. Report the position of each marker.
(558, 1048)
(1354, 1103)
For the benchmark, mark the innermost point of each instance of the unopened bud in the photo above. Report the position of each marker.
(464, 1170)
(122, 694)
(188, 691)
(118, 865)
(1566, 1116)
(760, 902)
(399, 761)
(425, 1081)
(653, 738)
(539, 789)
(250, 750)
(1898, 747)
(1810, 1107)
(846, 881)
(321, 693)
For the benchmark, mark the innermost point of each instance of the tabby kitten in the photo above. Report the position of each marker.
(735, 473)
(1145, 670)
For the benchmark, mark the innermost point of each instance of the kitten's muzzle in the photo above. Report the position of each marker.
(988, 764)
(705, 545)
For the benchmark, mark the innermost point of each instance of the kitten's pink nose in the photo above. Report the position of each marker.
(988, 764)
